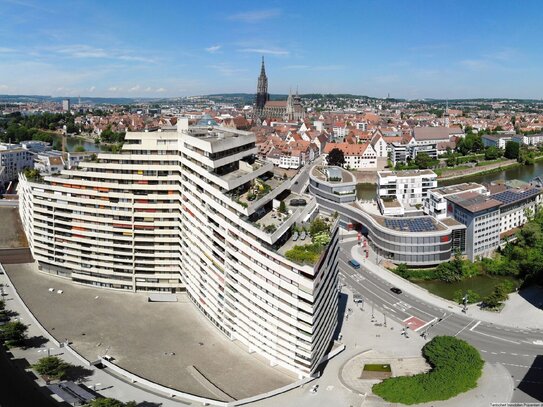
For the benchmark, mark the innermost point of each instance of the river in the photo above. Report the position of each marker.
(522, 172)
(73, 142)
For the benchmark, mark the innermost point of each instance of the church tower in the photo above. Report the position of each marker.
(262, 95)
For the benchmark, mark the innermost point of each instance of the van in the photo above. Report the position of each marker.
(354, 264)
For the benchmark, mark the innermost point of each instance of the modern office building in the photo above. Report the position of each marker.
(481, 215)
(407, 187)
(192, 209)
(517, 203)
(435, 203)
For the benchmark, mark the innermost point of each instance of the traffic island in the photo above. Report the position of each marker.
(456, 368)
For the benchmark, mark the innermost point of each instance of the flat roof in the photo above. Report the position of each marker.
(514, 195)
(405, 173)
(455, 189)
(474, 202)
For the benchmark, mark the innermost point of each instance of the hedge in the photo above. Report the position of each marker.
(456, 367)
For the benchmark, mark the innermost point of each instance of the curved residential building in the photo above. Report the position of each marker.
(193, 210)
(416, 241)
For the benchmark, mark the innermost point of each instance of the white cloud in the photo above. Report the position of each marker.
(92, 88)
(268, 51)
(4, 50)
(87, 51)
(3, 87)
(135, 88)
(226, 70)
(255, 16)
(160, 90)
(113, 89)
(213, 49)
(82, 51)
(148, 89)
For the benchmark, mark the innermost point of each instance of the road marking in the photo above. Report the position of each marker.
(494, 353)
(485, 351)
(475, 326)
(530, 367)
(427, 323)
(496, 337)
(460, 331)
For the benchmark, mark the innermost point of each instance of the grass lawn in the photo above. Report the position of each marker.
(377, 368)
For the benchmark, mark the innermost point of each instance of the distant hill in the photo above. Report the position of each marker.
(85, 100)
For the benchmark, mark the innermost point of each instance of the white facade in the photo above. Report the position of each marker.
(14, 159)
(435, 203)
(516, 204)
(167, 215)
(528, 139)
(408, 187)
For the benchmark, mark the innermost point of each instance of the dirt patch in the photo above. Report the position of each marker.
(11, 229)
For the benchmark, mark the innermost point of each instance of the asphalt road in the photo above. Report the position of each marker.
(516, 349)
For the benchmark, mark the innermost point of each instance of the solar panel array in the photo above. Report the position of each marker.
(411, 225)
(509, 196)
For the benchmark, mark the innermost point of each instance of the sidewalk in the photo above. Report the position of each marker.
(532, 317)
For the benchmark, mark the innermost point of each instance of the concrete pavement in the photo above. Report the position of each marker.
(516, 349)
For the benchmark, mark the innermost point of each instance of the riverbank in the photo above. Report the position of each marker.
(476, 171)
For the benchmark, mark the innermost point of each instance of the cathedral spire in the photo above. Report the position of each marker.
(263, 68)
(262, 95)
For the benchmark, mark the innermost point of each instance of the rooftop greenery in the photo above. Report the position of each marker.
(319, 230)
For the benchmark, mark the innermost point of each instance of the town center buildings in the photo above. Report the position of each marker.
(192, 209)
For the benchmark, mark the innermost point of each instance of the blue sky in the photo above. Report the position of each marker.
(405, 48)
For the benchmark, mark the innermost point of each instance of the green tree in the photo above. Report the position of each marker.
(13, 333)
(492, 153)
(511, 150)
(336, 157)
(423, 161)
(79, 149)
(318, 226)
(402, 270)
(282, 207)
(52, 366)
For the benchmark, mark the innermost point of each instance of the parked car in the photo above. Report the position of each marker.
(396, 290)
(303, 235)
(295, 236)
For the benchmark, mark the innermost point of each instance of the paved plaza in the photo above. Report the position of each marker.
(163, 342)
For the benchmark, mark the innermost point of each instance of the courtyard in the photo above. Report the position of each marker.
(168, 343)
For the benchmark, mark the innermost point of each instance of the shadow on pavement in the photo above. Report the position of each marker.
(342, 308)
(534, 295)
(532, 382)
(78, 373)
(35, 342)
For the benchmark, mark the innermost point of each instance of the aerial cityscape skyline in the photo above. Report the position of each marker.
(295, 204)
(405, 50)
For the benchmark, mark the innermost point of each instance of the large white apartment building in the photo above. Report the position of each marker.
(192, 210)
(409, 187)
